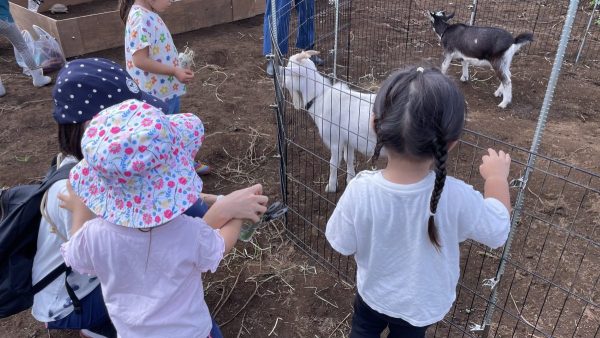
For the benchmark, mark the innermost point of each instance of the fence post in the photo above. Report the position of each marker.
(587, 29)
(556, 67)
(279, 106)
(335, 36)
(274, 39)
(473, 13)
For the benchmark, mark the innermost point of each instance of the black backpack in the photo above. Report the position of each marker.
(20, 218)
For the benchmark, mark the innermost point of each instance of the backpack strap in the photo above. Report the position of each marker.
(54, 274)
(71, 292)
(51, 277)
(44, 212)
(55, 175)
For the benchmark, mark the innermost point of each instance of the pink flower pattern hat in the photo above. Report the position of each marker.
(138, 168)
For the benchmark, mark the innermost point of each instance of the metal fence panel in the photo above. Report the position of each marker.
(550, 284)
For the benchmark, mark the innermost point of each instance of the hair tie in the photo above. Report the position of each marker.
(431, 214)
(420, 70)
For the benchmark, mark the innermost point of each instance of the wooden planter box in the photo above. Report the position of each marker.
(90, 33)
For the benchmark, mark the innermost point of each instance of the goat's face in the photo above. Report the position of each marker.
(299, 77)
(439, 20)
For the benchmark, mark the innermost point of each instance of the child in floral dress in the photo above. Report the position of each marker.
(151, 56)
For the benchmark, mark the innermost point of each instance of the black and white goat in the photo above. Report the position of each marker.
(342, 115)
(479, 46)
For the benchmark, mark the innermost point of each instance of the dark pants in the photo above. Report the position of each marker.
(173, 105)
(198, 209)
(93, 316)
(305, 38)
(215, 332)
(368, 323)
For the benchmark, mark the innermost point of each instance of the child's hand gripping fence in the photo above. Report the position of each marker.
(273, 212)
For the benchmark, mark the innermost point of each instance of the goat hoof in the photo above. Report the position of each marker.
(464, 78)
(331, 188)
(498, 94)
(503, 105)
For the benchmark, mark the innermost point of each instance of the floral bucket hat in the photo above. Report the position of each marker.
(138, 168)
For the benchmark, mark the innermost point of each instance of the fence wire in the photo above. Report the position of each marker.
(376, 36)
(550, 284)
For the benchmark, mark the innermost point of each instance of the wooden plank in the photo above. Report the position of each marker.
(45, 6)
(189, 15)
(25, 19)
(243, 9)
(91, 33)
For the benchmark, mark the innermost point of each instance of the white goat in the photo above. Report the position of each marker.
(341, 114)
(479, 46)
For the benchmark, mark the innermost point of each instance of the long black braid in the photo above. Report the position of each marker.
(440, 157)
(379, 143)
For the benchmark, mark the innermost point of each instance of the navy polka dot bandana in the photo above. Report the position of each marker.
(84, 87)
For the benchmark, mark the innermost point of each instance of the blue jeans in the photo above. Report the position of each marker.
(198, 209)
(368, 323)
(93, 316)
(305, 9)
(173, 106)
(215, 332)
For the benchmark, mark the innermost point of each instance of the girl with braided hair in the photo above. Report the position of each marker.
(405, 231)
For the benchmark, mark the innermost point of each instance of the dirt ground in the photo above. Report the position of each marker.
(270, 288)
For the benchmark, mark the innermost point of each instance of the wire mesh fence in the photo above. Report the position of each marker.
(550, 286)
(362, 40)
(550, 281)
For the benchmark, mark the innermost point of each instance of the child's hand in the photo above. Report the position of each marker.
(495, 165)
(246, 203)
(70, 200)
(184, 75)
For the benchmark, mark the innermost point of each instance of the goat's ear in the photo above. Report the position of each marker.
(297, 99)
(306, 55)
(430, 15)
(449, 16)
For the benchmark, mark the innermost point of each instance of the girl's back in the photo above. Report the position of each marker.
(381, 223)
(151, 278)
(405, 222)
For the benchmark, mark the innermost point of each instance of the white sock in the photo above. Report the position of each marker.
(39, 80)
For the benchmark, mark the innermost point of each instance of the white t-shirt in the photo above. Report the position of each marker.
(151, 281)
(399, 271)
(146, 29)
(53, 302)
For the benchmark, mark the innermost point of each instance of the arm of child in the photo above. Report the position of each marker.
(340, 231)
(72, 202)
(142, 60)
(486, 219)
(230, 233)
(248, 203)
(494, 169)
